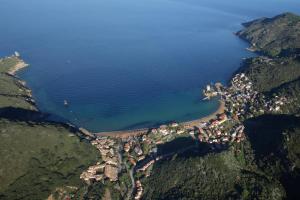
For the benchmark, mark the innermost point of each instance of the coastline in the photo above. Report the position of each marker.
(196, 122)
(20, 65)
(187, 124)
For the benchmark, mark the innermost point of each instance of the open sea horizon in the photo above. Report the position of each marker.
(128, 64)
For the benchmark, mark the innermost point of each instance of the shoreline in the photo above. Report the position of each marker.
(20, 65)
(196, 122)
(187, 124)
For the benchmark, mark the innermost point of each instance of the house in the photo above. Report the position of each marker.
(126, 147)
(174, 125)
(154, 131)
(214, 123)
(222, 118)
(138, 150)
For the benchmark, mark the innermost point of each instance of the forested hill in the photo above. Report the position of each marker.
(277, 69)
(273, 35)
(267, 164)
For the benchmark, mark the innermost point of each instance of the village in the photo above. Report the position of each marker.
(138, 153)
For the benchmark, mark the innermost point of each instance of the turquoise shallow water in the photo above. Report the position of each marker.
(128, 64)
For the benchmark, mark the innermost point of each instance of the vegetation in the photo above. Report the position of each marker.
(266, 165)
(275, 140)
(212, 176)
(274, 35)
(275, 73)
(12, 92)
(7, 63)
(267, 74)
(37, 157)
(292, 91)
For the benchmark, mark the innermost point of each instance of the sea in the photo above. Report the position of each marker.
(126, 64)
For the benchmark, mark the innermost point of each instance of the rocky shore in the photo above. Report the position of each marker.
(20, 65)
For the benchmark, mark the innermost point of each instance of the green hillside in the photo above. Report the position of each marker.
(269, 73)
(273, 35)
(266, 165)
(36, 156)
(292, 91)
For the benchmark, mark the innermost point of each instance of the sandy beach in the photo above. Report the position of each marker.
(188, 124)
(193, 123)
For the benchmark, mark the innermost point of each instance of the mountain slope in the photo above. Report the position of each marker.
(273, 35)
(266, 165)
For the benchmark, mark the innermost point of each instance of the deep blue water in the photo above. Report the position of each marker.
(128, 64)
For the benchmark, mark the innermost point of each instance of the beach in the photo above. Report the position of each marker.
(197, 122)
(188, 124)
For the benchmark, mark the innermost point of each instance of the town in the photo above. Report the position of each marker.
(136, 154)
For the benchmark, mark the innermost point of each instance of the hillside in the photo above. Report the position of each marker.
(273, 35)
(13, 92)
(292, 91)
(37, 157)
(266, 165)
(277, 39)
(214, 176)
(251, 151)
(275, 141)
(269, 73)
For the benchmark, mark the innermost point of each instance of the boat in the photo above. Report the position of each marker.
(66, 103)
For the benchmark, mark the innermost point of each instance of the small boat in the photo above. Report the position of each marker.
(66, 103)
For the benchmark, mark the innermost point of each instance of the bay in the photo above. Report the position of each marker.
(128, 64)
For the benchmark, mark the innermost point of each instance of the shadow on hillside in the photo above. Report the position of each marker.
(176, 145)
(266, 137)
(265, 132)
(20, 114)
(187, 147)
(30, 117)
